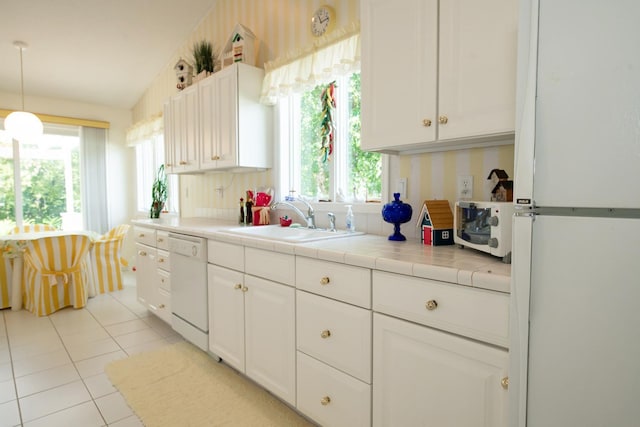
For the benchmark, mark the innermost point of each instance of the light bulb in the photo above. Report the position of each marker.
(23, 126)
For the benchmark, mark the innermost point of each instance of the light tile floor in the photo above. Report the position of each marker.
(52, 368)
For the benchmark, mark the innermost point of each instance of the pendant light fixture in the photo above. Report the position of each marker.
(22, 125)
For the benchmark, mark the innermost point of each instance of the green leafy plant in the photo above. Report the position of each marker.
(158, 193)
(203, 56)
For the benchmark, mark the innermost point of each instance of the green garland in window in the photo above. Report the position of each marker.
(327, 125)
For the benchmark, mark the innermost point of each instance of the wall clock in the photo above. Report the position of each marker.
(321, 20)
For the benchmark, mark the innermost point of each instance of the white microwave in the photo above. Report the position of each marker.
(485, 226)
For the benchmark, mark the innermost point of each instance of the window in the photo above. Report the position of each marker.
(349, 174)
(149, 157)
(46, 188)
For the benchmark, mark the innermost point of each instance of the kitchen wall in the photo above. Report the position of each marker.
(282, 27)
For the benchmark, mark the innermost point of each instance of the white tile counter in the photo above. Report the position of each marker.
(445, 263)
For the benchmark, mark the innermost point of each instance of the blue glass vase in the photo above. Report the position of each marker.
(396, 213)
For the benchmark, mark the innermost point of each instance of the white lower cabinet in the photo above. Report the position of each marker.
(331, 397)
(426, 377)
(252, 328)
(153, 285)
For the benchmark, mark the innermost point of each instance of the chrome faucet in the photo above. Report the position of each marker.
(332, 221)
(310, 217)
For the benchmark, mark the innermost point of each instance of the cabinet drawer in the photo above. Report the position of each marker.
(162, 260)
(270, 265)
(338, 281)
(331, 397)
(163, 309)
(162, 240)
(226, 255)
(474, 313)
(164, 280)
(338, 334)
(145, 235)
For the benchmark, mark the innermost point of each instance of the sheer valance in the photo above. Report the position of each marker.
(145, 129)
(337, 53)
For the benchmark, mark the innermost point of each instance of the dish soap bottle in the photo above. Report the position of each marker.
(351, 226)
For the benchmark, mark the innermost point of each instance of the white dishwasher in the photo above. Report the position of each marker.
(189, 312)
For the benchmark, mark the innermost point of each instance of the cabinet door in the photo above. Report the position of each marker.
(186, 129)
(226, 116)
(422, 376)
(145, 274)
(209, 125)
(477, 67)
(169, 137)
(399, 65)
(270, 336)
(226, 315)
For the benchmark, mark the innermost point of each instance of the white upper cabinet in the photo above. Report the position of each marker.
(437, 75)
(219, 124)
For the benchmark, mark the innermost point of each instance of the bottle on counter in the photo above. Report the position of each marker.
(242, 218)
(351, 226)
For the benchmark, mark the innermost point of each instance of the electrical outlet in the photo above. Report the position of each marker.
(465, 187)
(401, 187)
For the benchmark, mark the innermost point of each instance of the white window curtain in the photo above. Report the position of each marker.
(335, 54)
(93, 142)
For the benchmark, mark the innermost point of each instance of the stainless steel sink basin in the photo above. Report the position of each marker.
(288, 234)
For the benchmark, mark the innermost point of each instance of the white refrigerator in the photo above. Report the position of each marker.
(575, 312)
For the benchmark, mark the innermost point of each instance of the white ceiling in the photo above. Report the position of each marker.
(104, 52)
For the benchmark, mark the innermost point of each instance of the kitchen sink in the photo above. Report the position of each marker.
(289, 234)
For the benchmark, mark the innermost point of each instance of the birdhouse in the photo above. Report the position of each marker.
(503, 187)
(436, 220)
(184, 74)
(239, 48)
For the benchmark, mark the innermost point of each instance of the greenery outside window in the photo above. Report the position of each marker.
(350, 175)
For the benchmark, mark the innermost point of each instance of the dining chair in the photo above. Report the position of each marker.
(6, 270)
(107, 260)
(33, 228)
(56, 273)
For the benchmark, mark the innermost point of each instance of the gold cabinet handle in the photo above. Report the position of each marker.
(160, 239)
(443, 120)
(245, 289)
(325, 401)
(431, 304)
(325, 280)
(142, 253)
(325, 334)
(141, 235)
(237, 286)
(215, 157)
(161, 306)
(182, 162)
(161, 260)
(426, 122)
(505, 383)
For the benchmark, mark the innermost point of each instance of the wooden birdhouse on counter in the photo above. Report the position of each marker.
(436, 220)
(184, 74)
(503, 187)
(239, 48)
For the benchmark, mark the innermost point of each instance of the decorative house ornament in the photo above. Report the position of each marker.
(503, 187)
(436, 220)
(184, 74)
(239, 48)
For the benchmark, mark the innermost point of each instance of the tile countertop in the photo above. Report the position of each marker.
(445, 263)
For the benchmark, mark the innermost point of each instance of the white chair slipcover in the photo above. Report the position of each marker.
(56, 273)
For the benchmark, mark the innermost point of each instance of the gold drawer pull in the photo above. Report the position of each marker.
(141, 235)
(325, 280)
(161, 260)
(431, 304)
(426, 122)
(237, 286)
(443, 120)
(215, 157)
(245, 289)
(182, 162)
(505, 383)
(325, 334)
(161, 306)
(142, 253)
(325, 401)
(160, 239)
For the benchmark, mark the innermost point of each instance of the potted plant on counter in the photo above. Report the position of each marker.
(158, 193)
